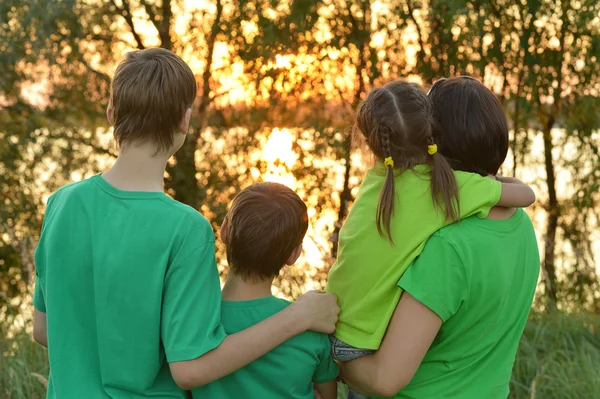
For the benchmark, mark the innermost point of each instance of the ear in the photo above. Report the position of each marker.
(184, 125)
(110, 113)
(294, 255)
(223, 231)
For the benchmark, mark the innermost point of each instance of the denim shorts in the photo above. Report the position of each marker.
(343, 352)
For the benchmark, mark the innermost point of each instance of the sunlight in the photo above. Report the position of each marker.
(280, 157)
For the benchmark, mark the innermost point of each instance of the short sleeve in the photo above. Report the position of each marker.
(191, 311)
(327, 370)
(38, 295)
(477, 194)
(437, 278)
(39, 299)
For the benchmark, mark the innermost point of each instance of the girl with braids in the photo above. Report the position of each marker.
(408, 195)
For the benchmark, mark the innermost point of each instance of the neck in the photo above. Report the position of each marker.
(238, 289)
(138, 169)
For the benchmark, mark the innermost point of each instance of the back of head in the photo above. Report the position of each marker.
(266, 223)
(150, 93)
(396, 123)
(471, 127)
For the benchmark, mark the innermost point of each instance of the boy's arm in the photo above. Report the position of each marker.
(40, 328)
(515, 193)
(327, 390)
(313, 311)
(40, 332)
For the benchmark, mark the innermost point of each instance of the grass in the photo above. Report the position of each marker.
(23, 366)
(558, 358)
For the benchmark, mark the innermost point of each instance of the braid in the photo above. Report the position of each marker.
(385, 206)
(385, 139)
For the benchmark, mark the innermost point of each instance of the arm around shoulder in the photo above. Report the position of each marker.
(313, 311)
(515, 194)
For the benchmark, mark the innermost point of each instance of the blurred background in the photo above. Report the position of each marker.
(278, 85)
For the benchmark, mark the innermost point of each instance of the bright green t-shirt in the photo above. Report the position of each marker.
(479, 277)
(368, 267)
(128, 282)
(287, 371)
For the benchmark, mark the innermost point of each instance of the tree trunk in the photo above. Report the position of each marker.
(345, 197)
(183, 174)
(548, 265)
(346, 194)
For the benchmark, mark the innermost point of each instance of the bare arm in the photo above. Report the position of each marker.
(313, 311)
(40, 332)
(411, 331)
(327, 390)
(515, 193)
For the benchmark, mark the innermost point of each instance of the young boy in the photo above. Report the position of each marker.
(127, 294)
(263, 233)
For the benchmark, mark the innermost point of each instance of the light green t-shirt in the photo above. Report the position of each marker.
(128, 282)
(368, 267)
(288, 371)
(479, 277)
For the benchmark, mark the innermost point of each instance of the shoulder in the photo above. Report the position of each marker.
(282, 303)
(71, 189)
(468, 178)
(188, 215)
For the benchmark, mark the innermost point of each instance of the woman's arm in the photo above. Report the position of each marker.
(409, 335)
(515, 193)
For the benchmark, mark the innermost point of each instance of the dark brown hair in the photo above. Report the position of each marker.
(395, 120)
(150, 93)
(471, 128)
(266, 222)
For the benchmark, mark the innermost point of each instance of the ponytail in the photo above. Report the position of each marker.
(444, 189)
(385, 206)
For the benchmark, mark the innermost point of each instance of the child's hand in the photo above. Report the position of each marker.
(318, 310)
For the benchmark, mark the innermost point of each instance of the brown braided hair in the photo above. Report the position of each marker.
(396, 122)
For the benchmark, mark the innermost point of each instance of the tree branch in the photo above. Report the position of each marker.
(162, 23)
(125, 12)
(215, 29)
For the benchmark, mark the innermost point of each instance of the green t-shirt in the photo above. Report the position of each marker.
(288, 371)
(128, 282)
(479, 277)
(368, 267)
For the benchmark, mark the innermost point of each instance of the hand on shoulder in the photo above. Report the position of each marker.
(318, 310)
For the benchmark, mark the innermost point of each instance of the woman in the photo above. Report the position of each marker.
(466, 299)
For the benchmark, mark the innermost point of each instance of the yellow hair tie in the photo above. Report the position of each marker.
(389, 162)
(432, 149)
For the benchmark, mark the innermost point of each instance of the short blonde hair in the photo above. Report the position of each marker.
(150, 93)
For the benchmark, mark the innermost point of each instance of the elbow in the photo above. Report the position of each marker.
(388, 384)
(186, 376)
(531, 198)
(42, 340)
(388, 390)
(184, 382)
(40, 336)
